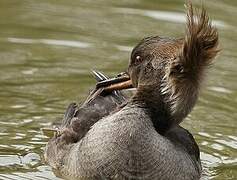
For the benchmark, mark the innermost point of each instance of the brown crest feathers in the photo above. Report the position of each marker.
(199, 47)
(200, 44)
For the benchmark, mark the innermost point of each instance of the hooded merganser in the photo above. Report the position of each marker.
(140, 139)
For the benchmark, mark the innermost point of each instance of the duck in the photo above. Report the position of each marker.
(113, 136)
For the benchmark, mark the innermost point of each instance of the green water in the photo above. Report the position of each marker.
(48, 47)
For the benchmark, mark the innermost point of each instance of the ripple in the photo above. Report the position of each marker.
(217, 146)
(22, 122)
(18, 106)
(4, 134)
(232, 144)
(230, 161)
(209, 159)
(68, 43)
(7, 160)
(220, 89)
(4, 146)
(124, 48)
(22, 147)
(30, 176)
(233, 137)
(175, 17)
(37, 143)
(205, 134)
(47, 108)
(30, 71)
(31, 159)
(204, 143)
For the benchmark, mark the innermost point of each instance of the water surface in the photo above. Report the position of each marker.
(48, 47)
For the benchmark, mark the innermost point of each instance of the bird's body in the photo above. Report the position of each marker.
(141, 139)
(121, 143)
(126, 145)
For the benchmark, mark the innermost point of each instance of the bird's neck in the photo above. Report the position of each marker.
(149, 99)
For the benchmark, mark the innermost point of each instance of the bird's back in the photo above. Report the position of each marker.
(126, 145)
(110, 142)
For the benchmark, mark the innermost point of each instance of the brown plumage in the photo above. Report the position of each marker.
(186, 72)
(143, 139)
(189, 59)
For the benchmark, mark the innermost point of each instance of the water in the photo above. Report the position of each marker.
(48, 47)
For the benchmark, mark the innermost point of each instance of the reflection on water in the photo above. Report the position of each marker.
(50, 42)
(47, 49)
(164, 15)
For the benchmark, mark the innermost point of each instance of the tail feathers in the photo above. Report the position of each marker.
(200, 44)
(99, 76)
